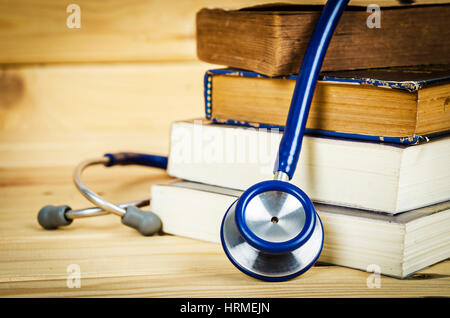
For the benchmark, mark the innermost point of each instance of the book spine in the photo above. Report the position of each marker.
(207, 82)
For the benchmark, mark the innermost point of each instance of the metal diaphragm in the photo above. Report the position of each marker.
(264, 265)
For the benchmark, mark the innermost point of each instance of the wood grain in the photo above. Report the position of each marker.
(63, 113)
(116, 261)
(34, 31)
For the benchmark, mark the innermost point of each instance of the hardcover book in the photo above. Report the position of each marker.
(374, 176)
(272, 39)
(397, 245)
(401, 104)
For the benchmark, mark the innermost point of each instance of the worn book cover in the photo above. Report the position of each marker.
(272, 39)
(404, 105)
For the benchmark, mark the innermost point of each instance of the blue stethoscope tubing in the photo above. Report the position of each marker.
(291, 143)
(133, 158)
(234, 224)
(253, 255)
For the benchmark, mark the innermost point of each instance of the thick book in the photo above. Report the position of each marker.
(374, 176)
(395, 245)
(272, 39)
(400, 104)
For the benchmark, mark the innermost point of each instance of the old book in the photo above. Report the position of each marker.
(271, 40)
(374, 176)
(394, 245)
(399, 104)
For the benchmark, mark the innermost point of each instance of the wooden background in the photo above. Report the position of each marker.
(116, 84)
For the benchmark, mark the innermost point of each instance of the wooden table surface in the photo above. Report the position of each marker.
(116, 84)
(116, 261)
(51, 118)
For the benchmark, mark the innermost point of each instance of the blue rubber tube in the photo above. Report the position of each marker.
(291, 142)
(132, 158)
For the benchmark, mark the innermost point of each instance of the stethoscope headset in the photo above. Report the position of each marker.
(272, 231)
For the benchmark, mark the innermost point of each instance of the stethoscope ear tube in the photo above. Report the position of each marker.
(145, 222)
(133, 158)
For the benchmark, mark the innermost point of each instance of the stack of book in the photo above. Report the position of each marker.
(376, 159)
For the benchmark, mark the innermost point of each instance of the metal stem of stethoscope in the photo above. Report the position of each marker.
(146, 222)
(97, 200)
(281, 176)
(91, 212)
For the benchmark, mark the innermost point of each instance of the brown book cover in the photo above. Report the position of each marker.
(272, 39)
(399, 104)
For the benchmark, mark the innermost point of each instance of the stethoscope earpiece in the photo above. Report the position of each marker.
(145, 222)
(51, 217)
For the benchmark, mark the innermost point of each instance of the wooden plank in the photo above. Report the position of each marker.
(117, 261)
(113, 30)
(175, 267)
(64, 113)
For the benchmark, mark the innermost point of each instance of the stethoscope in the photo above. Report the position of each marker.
(272, 231)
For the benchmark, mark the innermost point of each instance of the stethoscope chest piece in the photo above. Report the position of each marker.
(272, 232)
